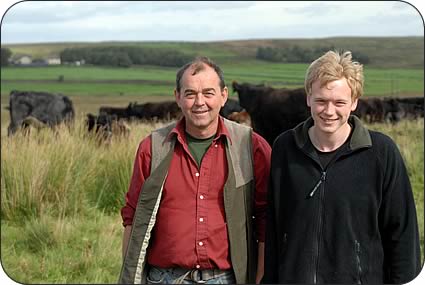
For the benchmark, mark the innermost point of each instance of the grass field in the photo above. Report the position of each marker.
(159, 81)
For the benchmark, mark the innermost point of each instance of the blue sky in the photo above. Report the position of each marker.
(65, 21)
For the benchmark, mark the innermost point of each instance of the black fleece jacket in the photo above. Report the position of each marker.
(353, 222)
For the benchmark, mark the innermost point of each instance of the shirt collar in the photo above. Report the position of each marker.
(179, 131)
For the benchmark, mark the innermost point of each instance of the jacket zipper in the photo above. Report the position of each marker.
(322, 178)
(310, 195)
(359, 266)
(319, 227)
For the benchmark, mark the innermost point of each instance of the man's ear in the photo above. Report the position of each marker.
(354, 104)
(307, 98)
(177, 96)
(225, 95)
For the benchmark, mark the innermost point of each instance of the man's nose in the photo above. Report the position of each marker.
(199, 99)
(329, 108)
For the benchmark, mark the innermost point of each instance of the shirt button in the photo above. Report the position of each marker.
(201, 197)
(197, 174)
(216, 145)
(201, 219)
(198, 266)
(201, 243)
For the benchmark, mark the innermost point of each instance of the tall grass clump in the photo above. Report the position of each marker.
(65, 171)
(114, 165)
(43, 171)
(38, 235)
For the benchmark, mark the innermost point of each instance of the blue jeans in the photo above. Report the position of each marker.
(172, 276)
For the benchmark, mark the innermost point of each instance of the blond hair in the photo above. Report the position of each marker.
(334, 66)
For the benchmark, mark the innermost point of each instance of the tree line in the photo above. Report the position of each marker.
(125, 56)
(5, 56)
(297, 54)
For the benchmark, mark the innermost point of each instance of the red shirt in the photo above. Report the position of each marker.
(191, 229)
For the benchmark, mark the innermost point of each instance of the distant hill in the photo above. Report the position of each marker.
(385, 52)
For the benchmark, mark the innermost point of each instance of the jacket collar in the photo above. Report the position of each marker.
(359, 139)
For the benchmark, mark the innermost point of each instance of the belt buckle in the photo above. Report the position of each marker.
(196, 276)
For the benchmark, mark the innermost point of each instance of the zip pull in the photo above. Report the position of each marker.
(357, 246)
(322, 179)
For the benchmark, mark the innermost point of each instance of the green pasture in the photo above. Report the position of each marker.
(89, 73)
(92, 89)
(159, 81)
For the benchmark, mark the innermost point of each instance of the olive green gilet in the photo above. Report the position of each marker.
(238, 205)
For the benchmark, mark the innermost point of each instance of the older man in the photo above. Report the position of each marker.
(195, 209)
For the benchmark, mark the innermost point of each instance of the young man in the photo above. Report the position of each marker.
(197, 186)
(340, 206)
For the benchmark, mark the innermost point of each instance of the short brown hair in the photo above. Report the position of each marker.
(333, 66)
(198, 65)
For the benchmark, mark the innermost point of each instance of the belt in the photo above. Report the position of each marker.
(197, 275)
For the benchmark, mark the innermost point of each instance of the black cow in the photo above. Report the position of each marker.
(105, 126)
(272, 111)
(118, 112)
(231, 106)
(101, 123)
(49, 109)
(410, 107)
(373, 109)
(389, 109)
(155, 111)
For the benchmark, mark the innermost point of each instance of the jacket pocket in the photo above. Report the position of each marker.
(358, 262)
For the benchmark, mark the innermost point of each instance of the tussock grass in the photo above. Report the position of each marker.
(61, 192)
(65, 167)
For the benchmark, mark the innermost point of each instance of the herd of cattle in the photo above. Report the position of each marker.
(268, 110)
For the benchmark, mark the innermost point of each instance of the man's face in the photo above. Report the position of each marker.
(331, 105)
(200, 99)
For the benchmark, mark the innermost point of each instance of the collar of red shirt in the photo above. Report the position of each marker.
(180, 127)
